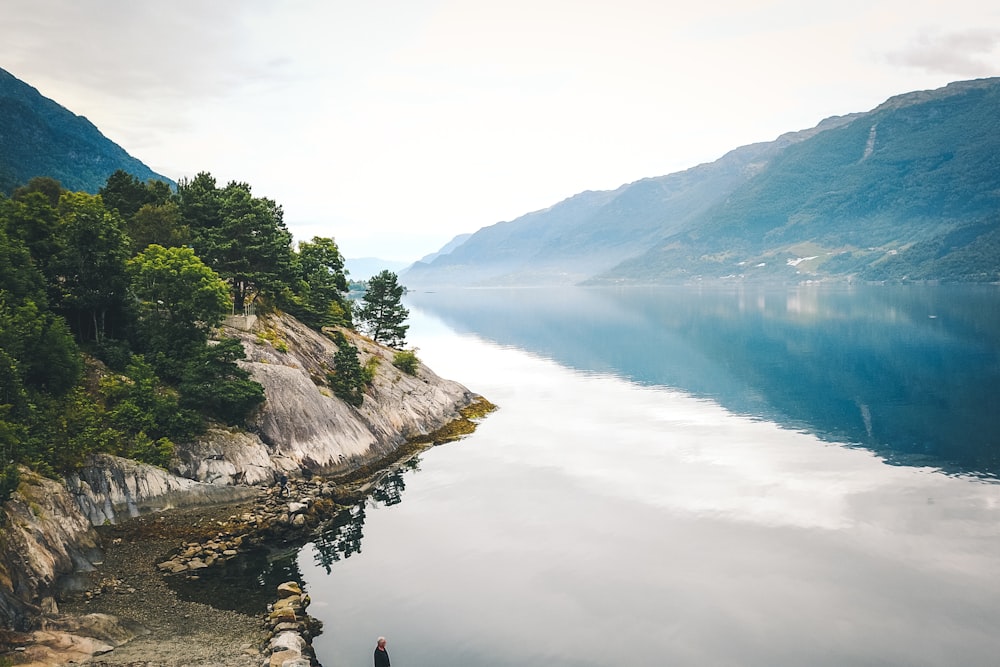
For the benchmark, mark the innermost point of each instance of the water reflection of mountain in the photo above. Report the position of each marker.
(909, 372)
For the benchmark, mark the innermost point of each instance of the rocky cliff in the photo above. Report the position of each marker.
(111, 488)
(43, 535)
(301, 428)
(304, 426)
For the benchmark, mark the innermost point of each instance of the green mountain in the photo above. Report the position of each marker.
(909, 190)
(38, 137)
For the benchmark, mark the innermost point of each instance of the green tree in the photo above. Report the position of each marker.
(50, 188)
(159, 224)
(33, 219)
(382, 310)
(13, 404)
(321, 288)
(146, 414)
(214, 385)
(67, 432)
(47, 356)
(242, 237)
(180, 299)
(125, 193)
(149, 209)
(348, 379)
(19, 275)
(91, 266)
(200, 204)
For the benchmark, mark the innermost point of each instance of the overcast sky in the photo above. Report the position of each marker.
(394, 125)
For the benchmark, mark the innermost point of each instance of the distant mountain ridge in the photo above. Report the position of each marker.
(38, 137)
(446, 248)
(908, 190)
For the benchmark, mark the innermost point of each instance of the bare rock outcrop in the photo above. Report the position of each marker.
(110, 487)
(303, 423)
(230, 456)
(302, 426)
(43, 535)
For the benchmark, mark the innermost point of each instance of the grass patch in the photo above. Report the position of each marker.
(457, 428)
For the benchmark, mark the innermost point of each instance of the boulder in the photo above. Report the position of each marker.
(288, 641)
(284, 658)
(289, 589)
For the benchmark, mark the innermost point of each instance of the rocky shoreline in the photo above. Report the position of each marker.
(128, 611)
(292, 629)
(155, 626)
(136, 618)
(114, 564)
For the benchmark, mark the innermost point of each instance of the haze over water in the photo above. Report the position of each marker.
(689, 478)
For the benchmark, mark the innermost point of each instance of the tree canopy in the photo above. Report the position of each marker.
(242, 237)
(321, 284)
(139, 277)
(179, 298)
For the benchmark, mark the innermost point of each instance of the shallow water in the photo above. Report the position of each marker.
(696, 479)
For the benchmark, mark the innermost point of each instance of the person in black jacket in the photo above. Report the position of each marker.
(381, 655)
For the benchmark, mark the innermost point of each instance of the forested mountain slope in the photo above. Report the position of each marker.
(909, 190)
(38, 137)
(593, 231)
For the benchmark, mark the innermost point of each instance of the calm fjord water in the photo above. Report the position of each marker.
(688, 478)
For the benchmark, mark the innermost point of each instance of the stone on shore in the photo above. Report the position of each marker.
(291, 629)
(288, 589)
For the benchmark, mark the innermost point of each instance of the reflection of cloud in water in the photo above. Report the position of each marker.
(609, 515)
(698, 458)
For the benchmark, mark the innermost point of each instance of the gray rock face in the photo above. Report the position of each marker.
(111, 488)
(42, 536)
(303, 423)
(229, 457)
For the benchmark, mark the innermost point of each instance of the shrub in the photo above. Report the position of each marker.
(9, 479)
(369, 370)
(147, 450)
(406, 361)
(214, 385)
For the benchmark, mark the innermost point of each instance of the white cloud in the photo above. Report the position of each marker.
(969, 53)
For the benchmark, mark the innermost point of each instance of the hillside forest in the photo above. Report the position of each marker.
(110, 305)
